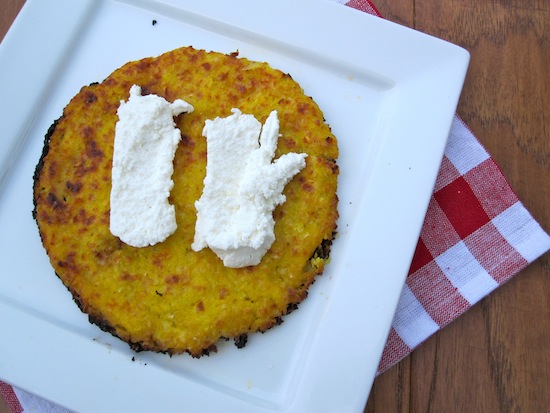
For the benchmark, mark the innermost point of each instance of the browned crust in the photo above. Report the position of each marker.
(40, 164)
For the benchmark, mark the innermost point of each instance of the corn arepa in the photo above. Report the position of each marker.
(166, 297)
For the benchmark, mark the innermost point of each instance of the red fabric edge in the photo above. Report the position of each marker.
(364, 5)
(11, 399)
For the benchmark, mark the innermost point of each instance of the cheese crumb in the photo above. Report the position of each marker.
(146, 139)
(242, 187)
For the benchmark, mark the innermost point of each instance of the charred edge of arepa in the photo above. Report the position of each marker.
(40, 164)
(323, 252)
(241, 340)
(45, 150)
(137, 346)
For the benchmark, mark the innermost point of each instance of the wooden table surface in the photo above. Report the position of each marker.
(496, 357)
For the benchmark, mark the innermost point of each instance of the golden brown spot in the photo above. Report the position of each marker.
(106, 250)
(83, 218)
(159, 259)
(54, 202)
(278, 213)
(194, 57)
(292, 295)
(126, 276)
(106, 218)
(290, 143)
(187, 141)
(200, 307)
(53, 168)
(307, 187)
(92, 150)
(88, 132)
(74, 187)
(172, 279)
(303, 107)
(90, 97)
(110, 82)
(69, 263)
(44, 217)
(199, 288)
(142, 65)
(332, 165)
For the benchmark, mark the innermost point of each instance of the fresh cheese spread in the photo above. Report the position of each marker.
(146, 139)
(242, 187)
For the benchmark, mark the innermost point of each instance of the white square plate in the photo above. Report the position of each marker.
(389, 94)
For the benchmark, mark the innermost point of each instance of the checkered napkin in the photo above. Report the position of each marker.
(476, 236)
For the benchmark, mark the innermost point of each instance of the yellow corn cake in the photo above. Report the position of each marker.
(166, 297)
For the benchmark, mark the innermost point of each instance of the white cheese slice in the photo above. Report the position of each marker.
(146, 139)
(242, 187)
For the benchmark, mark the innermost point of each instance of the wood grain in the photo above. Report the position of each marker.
(8, 10)
(496, 357)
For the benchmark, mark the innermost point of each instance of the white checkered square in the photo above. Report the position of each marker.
(464, 151)
(412, 322)
(466, 273)
(522, 232)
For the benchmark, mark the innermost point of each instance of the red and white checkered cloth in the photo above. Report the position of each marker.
(476, 236)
